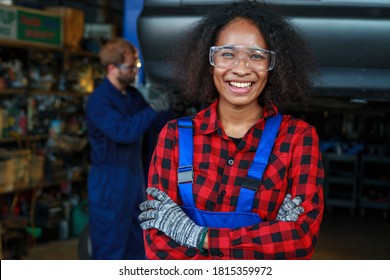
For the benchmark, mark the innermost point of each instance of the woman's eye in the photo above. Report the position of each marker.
(227, 55)
(257, 56)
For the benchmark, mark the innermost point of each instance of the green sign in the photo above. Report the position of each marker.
(7, 23)
(30, 26)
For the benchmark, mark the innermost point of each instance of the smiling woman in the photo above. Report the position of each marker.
(286, 53)
(240, 85)
(243, 180)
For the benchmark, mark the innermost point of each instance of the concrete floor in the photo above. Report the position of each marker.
(354, 237)
(344, 236)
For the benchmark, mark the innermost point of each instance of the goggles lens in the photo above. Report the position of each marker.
(255, 58)
(135, 66)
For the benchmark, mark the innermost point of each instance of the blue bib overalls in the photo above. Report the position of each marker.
(243, 216)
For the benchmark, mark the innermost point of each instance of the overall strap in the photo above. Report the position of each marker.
(252, 182)
(185, 173)
(255, 173)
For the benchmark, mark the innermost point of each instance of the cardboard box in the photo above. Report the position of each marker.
(37, 168)
(15, 169)
(73, 21)
(7, 176)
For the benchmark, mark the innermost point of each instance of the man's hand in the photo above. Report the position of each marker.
(160, 103)
(290, 209)
(164, 214)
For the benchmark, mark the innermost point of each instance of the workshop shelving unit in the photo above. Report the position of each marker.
(374, 191)
(341, 181)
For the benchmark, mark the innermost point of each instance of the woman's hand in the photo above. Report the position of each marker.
(290, 209)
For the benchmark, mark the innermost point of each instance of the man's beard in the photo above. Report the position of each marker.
(125, 80)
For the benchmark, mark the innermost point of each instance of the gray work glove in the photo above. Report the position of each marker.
(290, 209)
(164, 214)
(160, 103)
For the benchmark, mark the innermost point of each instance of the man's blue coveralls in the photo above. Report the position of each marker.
(116, 124)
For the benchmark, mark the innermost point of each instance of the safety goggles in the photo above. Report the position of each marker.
(135, 66)
(255, 58)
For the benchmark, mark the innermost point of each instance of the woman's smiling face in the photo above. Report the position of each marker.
(240, 86)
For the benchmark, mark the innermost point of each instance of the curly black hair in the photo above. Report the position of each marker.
(289, 82)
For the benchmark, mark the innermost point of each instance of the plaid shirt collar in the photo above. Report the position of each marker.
(207, 119)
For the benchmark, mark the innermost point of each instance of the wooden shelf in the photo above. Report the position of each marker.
(28, 45)
(81, 53)
(45, 47)
(23, 139)
(16, 91)
(42, 184)
(58, 93)
(13, 91)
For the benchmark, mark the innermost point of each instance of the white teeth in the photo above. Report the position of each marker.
(240, 85)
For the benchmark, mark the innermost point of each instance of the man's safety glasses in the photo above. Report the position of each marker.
(135, 66)
(255, 58)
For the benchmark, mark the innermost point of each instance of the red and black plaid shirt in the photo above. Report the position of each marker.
(295, 166)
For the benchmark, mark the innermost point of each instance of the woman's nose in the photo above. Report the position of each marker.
(242, 66)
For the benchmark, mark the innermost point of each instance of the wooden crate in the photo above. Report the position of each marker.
(73, 21)
(7, 176)
(15, 169)
(37, 168)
